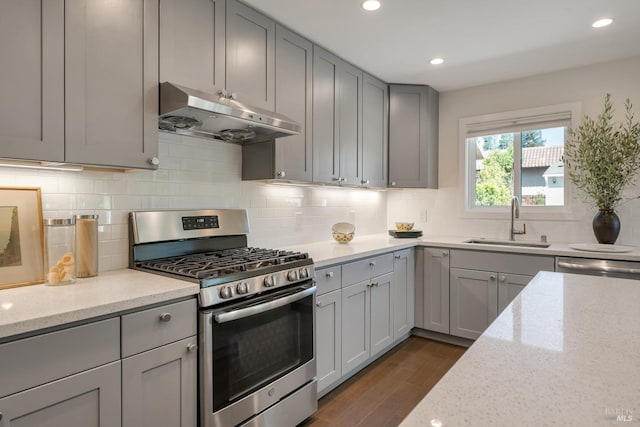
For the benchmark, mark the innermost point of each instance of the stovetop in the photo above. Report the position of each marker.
(229, 263)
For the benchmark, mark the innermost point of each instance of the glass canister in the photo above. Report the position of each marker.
(60, 258)
(86, 245)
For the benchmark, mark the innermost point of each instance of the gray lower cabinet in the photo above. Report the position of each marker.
(474, 297)
(413, 136)
(432, 289)
(375, 134)
(159, 386)
(192, 43)
(337, 120)
(250, 55)
(403, 295)
(90, 398)
(287, 158)
(484, 283)
(328, 338)
(367, 320)
(111, 83)
(32, 80)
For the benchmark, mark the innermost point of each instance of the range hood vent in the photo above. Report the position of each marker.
(191, 112)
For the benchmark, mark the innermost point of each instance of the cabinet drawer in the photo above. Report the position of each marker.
(158, 326)
(503, 262)
(37, 360)
(328, 279)
(367, 268)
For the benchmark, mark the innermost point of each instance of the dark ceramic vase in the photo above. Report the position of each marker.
(606, 226)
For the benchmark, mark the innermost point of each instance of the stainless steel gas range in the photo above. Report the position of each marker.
(257, 362)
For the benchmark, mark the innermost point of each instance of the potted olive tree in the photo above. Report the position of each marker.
(603, 158)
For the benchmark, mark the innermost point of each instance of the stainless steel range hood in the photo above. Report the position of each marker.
(191, 112)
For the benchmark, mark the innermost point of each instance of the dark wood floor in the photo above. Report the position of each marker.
(386, 391)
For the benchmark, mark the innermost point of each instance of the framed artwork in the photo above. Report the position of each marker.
(21, 237)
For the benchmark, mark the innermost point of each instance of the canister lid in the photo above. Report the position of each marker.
(59, 222)
(87, 216)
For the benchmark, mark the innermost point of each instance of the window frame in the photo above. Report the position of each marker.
(514, 121)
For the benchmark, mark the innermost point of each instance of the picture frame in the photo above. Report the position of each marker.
(21, 237)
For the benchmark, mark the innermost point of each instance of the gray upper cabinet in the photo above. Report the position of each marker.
(192, 43)
(337, 120)
(413, 136)
(375, 135)
(287, 158)
(250, 55)
(32, 80)
(111, 82)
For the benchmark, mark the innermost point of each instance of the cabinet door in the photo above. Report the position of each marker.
(192, 43)
(355, 325)
(381, 313)
(325, 138)
(474, 301)
(435, 298)
(32, 80)
(403, 294)
(509, 286)
(350, 123)
(294, 64)
(375, 141)
(159, 386)
(250, 55)
(90, 398)
(328, 338)
(111, 82)
(413, 136)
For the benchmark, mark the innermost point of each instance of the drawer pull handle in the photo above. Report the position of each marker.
(330, 274)
(165, 317)
(374, 284)
(372, 264)
(192, 347)
(318, 304)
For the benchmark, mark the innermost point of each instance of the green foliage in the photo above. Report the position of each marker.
(494, 183)
(603, 158)
(533, 138)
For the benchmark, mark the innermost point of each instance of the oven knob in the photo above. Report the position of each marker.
(269, 281)
(226, 292)
(304, 273)
(242, 288)
(292, 275)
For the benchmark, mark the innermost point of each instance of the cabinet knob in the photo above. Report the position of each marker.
(374, 284)
(503, 278)
(329, 274)
(364, 182)
(318, 304)
(165, 317)
(372, 264)
(192, 347)
(336, 178)
(445, 254)
(397, 256)
(281, 174)
(393, 183)
(492, 277)
(154, 161)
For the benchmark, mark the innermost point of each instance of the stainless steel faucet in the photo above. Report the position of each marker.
(515, 213)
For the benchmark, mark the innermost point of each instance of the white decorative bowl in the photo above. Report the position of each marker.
(343, 232)
(404, 226)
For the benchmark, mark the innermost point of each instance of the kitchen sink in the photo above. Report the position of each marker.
(529, 244)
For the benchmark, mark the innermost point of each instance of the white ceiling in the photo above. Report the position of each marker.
(482, 41)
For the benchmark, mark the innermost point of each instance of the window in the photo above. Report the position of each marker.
(520, 154)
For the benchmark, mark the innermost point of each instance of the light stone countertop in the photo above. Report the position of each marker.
(331, 252)
(566, 352)
(30, 308)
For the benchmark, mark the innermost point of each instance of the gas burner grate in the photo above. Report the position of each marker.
(210, 265)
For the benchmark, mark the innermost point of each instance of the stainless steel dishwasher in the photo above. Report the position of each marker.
(599, 267)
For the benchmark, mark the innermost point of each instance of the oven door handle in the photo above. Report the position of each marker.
(250, 311)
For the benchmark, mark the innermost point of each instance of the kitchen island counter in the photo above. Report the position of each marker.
(566, 352)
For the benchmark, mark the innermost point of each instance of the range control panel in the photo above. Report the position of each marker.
(200, 222)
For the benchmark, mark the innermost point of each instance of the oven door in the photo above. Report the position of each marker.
(254, 353)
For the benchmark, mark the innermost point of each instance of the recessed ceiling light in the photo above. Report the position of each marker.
(602, 23)
(371, 4)
(436, 61)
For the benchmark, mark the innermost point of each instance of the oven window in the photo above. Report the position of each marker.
(251, 352)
